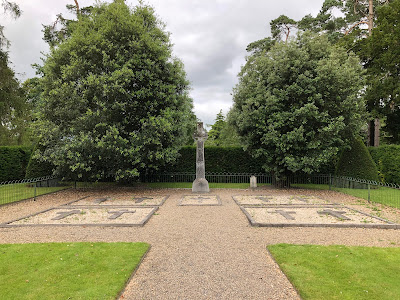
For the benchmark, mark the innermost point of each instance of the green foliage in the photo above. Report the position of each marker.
(217, 159)
(215, 133)
(387, 159)
(37, 168)
(13, 162)
(340, 272)
(380, 54)
(357, 162)
(12, 9)
(296, 106)
(67, 270)
(115, 100)
(282, 25)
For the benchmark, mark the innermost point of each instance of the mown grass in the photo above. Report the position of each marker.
(16, 192)
(383, 195)
(340, 272)
(67, 270)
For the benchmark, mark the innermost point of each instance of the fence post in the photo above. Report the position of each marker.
(34, 195)
(369, 192)
(330, 181)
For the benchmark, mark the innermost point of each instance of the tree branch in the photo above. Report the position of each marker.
(77, 7)
(352, 27)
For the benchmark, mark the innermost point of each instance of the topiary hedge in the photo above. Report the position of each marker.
(13, 162)
(357, 162)
(218, 160)
(387, 159)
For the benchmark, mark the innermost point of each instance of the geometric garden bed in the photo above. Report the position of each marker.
(303, 211)
(95, 211)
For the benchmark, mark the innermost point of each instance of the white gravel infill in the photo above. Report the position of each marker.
(89, 216)
(202, 199)
(127, 200)
(309, 215)
(278, 200)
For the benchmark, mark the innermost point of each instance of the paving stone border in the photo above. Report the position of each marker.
(387, 225)
(216, 198)
(81, 207)
(75, 202)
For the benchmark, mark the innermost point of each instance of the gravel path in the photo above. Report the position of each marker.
(200, 252)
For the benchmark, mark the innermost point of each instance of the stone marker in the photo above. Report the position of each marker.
(200, 199)
(100, 200)
(253, 182)
(336, 214)
(140, 200)
(264, 198)
(200, 184)
(64, 214)
(285, 214)
(117, 214)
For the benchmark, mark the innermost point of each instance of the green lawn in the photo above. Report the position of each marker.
(383, 195)
(16, 192)
(67, 270)
(340, 272)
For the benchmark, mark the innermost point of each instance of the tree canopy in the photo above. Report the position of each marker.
(114, 100)
(298, 104)
(381, 56)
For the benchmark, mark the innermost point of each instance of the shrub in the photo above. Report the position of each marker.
(38, 168)
(387, 159)
(357, 162)
(13, 162)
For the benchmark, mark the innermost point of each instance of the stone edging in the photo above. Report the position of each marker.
(389, 225)
(8, 225)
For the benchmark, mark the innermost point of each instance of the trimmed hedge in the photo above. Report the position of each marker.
(218, 160)
(13, 162)
(357, 162)
(387, 159)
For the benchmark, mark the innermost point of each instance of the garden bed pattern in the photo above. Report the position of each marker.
(96, 211)
(304, 211)
(200, 200)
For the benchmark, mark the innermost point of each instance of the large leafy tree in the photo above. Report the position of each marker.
(381, 56)
(298, 104)
(113, 100)
(13, 109)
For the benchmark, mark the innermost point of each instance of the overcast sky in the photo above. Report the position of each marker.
(209, 36)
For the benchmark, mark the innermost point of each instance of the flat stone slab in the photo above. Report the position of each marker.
(265, 200)
(313, 216)
(202, 200)
(88, 216)
(132, 201)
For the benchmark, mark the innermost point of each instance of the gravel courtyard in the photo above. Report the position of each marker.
(200, 251)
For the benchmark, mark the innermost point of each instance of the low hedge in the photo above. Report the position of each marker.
(217, 160)
(13, 162)
(387, 159)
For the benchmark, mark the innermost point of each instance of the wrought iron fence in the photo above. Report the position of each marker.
(211, 177)
(17, 190)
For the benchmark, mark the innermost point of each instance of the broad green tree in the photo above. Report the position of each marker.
(381, 56)
(13, 109)
(114, 99)
(298, 104)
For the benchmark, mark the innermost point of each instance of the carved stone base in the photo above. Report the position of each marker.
(200, 185)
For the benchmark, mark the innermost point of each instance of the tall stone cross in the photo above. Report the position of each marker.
(200, 184)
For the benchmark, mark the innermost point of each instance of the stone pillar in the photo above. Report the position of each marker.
(200, 185)
(253, 182)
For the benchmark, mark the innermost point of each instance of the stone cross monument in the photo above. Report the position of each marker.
(200, 184)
